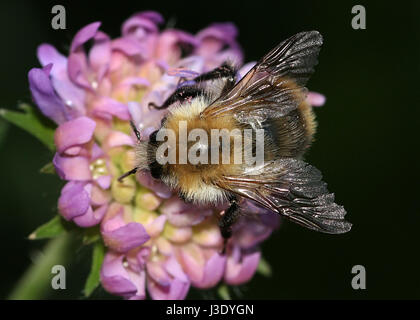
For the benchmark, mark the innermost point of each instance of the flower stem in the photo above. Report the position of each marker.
(36, 281)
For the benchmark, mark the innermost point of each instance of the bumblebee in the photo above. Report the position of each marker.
(272, 97)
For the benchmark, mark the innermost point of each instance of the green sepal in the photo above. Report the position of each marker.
(264, 268)
(32, 121)
(51, 229)
(48, 168)
(223, 292)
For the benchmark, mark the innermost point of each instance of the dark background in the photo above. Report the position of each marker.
(365, 146)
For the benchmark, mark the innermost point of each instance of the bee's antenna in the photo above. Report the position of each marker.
(137, 133)
(129, 173)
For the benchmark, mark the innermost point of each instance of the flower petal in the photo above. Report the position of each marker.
(183, 214)
(91, 217)
(316, 99)
(100, 55)
(157, 272)
(238, 272)
(123, 237)
(74, 133)
(84, 35)
(74, 200)
(118, 280)
(156, 186)
(179, 284)
(147, 20)
(72, 168)
(106, 108)
(44, 95)
(117, 139)
(213, 271)
(72, 95)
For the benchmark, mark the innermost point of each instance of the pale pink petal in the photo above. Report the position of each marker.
(242, 270)
(316, 99)
(74, 133)
(72, 168)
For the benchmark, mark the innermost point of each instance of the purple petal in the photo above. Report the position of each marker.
(84, 35)
(193, 261)
(157, 272)
(225, 31)
(100, 55)
(72, 168)
(74, 133)
(72, 95)
(251, 231)
(213, 271)
(123, 238)
(74, 200)
(316, 99)
(44, 95)
(78, 69)
(213, 39)
(106, 108)
(179, 284)
(183, 214)
(238, 272)
(91, 217)
(171, 42)
(77, 62)
(177, 290)
(117, 139)
(147, 20)
(118, 280)
(245, 68)
(104, 181)
(130, 47)
(156, 186)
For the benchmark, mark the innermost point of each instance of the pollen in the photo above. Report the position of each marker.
(98, 168)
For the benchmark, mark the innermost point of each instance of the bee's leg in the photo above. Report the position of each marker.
(129, 173)
(228, 219)
(181, 94)
(136, 132)
(224, 71)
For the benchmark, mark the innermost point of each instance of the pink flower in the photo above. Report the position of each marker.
(154, 240)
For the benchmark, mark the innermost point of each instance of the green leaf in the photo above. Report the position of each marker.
(93, 279)
(33, 122)
(223, 292)
(53, 228)
(264, 268)
(48, 168)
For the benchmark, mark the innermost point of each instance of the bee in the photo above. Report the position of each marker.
(272, 97)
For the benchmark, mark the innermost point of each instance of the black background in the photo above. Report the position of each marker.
(366, 145)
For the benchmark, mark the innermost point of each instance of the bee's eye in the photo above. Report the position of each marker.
(155, 170)
(152, 137)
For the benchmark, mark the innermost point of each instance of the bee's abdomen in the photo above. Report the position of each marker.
(291, 135)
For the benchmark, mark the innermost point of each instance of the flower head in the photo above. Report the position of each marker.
(154, 239)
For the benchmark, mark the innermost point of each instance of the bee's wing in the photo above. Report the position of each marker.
(275, 85)
(293, 189)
